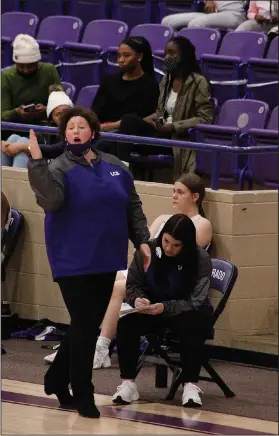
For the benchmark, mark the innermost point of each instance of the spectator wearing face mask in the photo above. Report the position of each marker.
(26, 83)
(217, 14)
(15, 150)
(262, 16)
(185, 100)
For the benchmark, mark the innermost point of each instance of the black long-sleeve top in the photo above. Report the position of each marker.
(117, 97)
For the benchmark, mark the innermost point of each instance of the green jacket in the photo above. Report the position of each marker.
(193, 106)
(17, 90)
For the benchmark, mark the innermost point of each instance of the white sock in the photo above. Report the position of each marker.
(103, 342)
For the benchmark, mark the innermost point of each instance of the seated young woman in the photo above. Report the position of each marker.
(185, 100)
(176, 285)
(188, 195)
(133, 90)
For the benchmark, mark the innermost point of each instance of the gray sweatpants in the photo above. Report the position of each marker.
(252, 25)
(225, 20)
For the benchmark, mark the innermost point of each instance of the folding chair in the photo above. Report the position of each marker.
(10, 239)
(223, 278)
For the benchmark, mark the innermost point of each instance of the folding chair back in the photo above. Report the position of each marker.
(10, 239)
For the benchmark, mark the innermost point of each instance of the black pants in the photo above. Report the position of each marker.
(86, 298)
(190, 327)
(134, 125)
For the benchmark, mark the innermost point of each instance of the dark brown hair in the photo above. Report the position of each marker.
(78, 111)
(195, 184)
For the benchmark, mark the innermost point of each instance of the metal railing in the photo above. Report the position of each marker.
(215, 149)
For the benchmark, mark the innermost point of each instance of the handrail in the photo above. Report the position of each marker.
(214, 148)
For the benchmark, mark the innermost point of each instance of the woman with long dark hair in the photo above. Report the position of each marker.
(172, 293)
(185, 100)
(133, 90)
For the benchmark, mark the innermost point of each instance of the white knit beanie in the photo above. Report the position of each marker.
(26, 50)
(57, 98)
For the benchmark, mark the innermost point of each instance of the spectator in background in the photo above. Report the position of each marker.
(15, 149)
(133, 90)
(26, 83)
(185, 100)
(217, 14)
(262, 16)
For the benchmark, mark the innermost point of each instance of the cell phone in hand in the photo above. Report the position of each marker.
(29, 107)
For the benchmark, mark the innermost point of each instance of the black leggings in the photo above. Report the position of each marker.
(190, 327)
(86, 298)
(134, 125)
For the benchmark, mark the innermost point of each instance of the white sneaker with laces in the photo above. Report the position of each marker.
(126, 393)
(191, 396)
(50, 358)
(101, 358)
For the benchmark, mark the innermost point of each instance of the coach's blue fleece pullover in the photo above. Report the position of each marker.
(91, 212)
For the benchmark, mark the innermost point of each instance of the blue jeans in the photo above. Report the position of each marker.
(20, 160)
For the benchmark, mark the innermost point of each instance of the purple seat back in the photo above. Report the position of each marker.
(273, 49)
(157, 35)
(90, 10)
(273, 120)
(13, 23)
(69, 89)
(170, 7)
(264, 168)
(244, 45)
(44, 8)
(135, 12)
(86, 96)
(60, 29)
(241, 114)
(205, 40)
(115, 32)
(244, 114)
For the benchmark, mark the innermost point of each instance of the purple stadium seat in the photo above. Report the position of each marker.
(206, 41)
(69, 89)
(89, 53)
(264, 168)
(135, 12)
(13, 23)
(45, 8)
(54, 31)
(88, 10)
(169, 7)
(231, 61)
(86, 96)
(235, 118)
(157, 35)
(264, 71)
(10, 6)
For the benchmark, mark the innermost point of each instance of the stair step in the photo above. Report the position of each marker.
(261, 343)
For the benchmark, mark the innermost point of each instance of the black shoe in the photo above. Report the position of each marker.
(65, 399)
(88, 410)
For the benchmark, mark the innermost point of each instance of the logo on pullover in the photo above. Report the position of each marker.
(114, 173)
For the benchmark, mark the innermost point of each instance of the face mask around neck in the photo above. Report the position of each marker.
(80, 149)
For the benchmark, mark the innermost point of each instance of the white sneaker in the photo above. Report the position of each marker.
(50, 358)
(126, 393)
(191, 396)
(101, 358)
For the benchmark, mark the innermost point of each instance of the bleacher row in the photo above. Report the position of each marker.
(238, 64)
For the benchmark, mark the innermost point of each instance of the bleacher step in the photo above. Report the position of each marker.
(261, 343)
